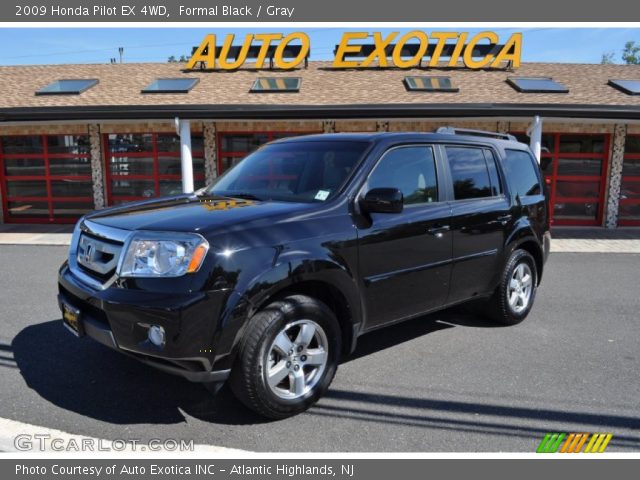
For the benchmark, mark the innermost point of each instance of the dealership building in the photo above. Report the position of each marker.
(74, 138)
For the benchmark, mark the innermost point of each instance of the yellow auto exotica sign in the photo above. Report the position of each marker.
(350, 45)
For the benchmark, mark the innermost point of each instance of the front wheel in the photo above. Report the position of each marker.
(514, 296)
(288, 357)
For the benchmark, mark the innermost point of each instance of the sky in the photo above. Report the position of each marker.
(22, 46)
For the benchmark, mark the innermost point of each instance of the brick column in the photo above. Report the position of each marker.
(328, 126)
(615, 175)
(97, 166)
(210, 151)
(502, 127)
(382, 126)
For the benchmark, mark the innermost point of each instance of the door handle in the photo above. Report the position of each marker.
(503, 219)
(438, 232)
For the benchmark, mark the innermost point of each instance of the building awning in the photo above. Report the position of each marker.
(311, 112)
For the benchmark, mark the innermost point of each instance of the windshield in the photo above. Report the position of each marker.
(291, 172)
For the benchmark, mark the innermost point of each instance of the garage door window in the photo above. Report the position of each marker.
(575, 169)
(146, 165)
(629, 213)
(234, 146)
(45, 178)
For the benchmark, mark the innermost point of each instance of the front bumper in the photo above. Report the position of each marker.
(119, 318)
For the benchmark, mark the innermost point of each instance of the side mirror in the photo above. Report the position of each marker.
(382, 200)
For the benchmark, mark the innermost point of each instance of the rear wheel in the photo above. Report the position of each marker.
(288, 357)
(514, 296)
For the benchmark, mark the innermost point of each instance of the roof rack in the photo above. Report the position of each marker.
(478, 133)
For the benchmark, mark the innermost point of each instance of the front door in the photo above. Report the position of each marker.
(405, 257)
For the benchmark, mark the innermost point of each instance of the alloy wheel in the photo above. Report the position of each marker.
(296, 359)
(520, 287)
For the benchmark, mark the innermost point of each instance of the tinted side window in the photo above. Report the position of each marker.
(496, 187)
(520, 169)
(412, 170)
(469, 173)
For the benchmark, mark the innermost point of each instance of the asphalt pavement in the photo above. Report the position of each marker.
(444, 382)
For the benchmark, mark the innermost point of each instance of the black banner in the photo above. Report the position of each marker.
(312, 469)
(286, 11)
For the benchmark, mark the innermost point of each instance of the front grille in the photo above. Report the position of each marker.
(98, 256)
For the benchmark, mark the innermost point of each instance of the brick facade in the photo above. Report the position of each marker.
(146, 127)
(276, 126)
(54, 129)
(355, 126)
(432, 125)
(568, 127)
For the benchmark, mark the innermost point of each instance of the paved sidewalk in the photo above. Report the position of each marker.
(595, 240)
(27, 234)
(565, 239)
(595, 246)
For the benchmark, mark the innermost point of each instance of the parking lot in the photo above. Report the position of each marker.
(444, 382)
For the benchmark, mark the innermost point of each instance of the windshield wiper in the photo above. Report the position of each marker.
(243, 195)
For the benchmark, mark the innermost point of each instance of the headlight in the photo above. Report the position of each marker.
(155, 254)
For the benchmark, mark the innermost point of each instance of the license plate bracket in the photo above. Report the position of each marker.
(72, 319)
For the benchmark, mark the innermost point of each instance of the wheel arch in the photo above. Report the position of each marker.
(536, 252)
(524, 238)
(323, 279)
(331, 296)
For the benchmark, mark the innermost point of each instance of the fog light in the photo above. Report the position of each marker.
(156, 335)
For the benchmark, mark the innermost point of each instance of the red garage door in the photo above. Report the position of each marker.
(45, 178)
(234, 146)
(630, 188)
(145, 165)
(575, 170)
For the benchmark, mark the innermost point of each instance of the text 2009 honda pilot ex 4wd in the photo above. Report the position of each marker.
(269, 276)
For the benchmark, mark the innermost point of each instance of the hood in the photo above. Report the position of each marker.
(191, 213)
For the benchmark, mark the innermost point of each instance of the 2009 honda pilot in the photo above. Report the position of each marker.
(267, 277)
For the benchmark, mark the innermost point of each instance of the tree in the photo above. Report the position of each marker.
(608, 58)
(181, 59)
(631, 53)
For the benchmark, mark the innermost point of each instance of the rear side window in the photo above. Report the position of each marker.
(471, 174)
(496, 188)
(520, 168)
(411, 170)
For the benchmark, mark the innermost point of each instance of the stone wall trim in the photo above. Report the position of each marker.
(614, 178)
(97, 166)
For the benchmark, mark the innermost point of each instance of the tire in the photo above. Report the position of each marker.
(281, 369)
(510, 305)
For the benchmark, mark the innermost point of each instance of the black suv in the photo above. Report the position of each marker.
(269, 276)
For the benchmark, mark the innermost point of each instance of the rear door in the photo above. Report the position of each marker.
(405, 257)
(480, 218)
